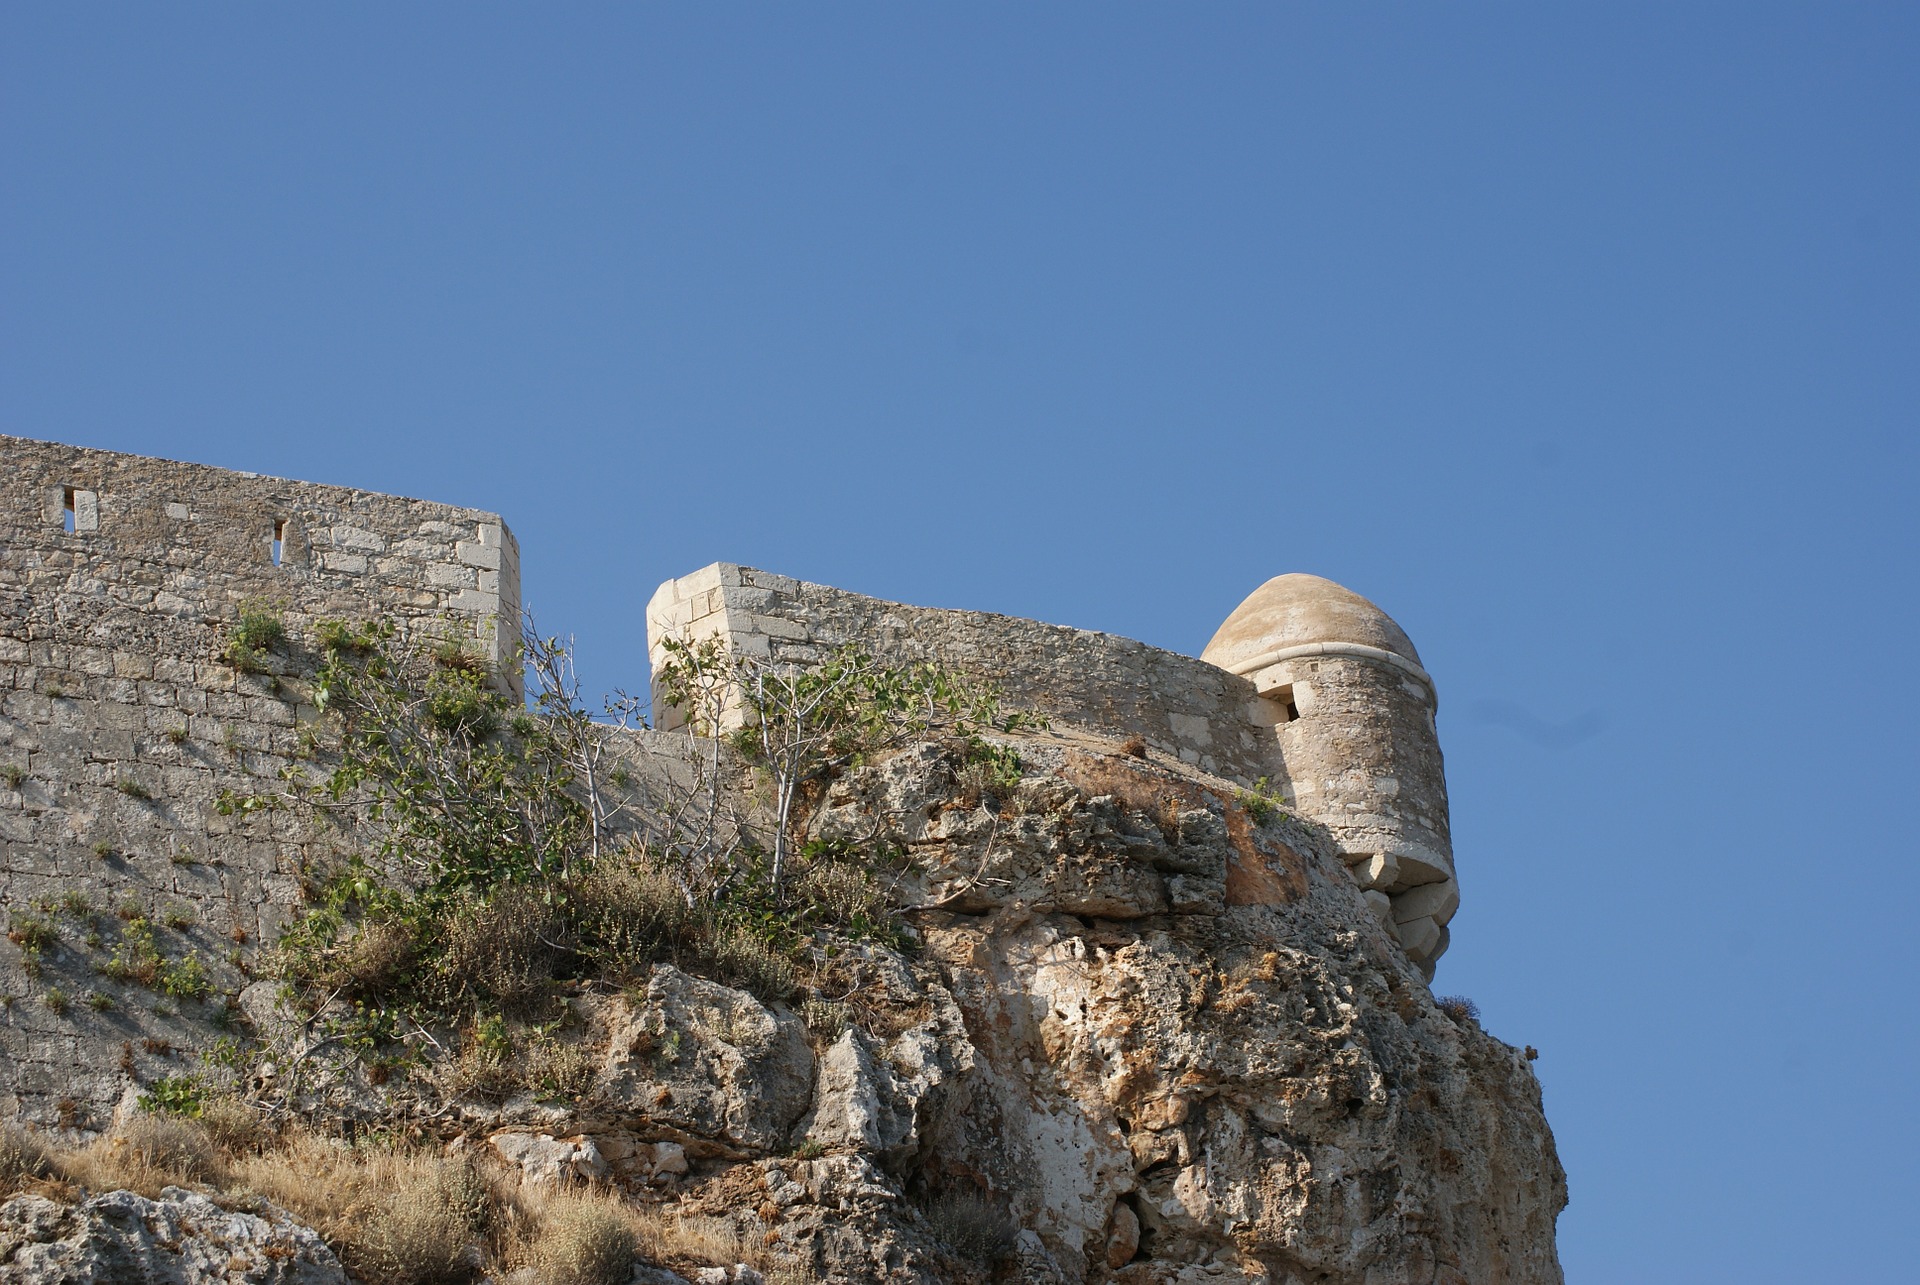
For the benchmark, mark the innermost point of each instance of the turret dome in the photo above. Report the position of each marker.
(1299, 611)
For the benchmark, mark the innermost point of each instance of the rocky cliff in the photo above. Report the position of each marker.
(1135, 994)
(1136, 1032)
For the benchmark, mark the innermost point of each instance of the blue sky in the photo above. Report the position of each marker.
(1582, 339)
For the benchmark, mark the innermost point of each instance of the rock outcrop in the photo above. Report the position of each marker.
(180, 1239)
(1137, 1037)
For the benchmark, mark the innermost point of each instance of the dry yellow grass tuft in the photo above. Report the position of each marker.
(572, 1237)
(22, 1156)
(397, 1215)
(144, 1155)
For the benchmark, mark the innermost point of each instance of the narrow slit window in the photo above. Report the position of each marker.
(67, 520)
(279, 540)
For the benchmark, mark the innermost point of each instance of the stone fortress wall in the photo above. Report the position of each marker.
(1307, 685)
(121, 726)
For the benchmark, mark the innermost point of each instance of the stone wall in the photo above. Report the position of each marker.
(1352, 744)
(121, 728)
(1183, 707)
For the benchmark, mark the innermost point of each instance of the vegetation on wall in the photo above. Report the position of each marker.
(499, 858)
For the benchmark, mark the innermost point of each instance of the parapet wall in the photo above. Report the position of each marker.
(1183, 707)
(121, 727)
(1351, 741)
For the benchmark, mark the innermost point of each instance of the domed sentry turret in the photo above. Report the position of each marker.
(1353, 709)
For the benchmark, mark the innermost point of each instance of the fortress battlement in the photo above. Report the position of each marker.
(122, 729)
(1306, 684)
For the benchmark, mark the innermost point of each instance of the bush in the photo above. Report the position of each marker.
(627, 915)
(583, 1241)
(175, 1095)
(973, 1227)
(503, 948)
(1459, 1008)
(987, 771)
(258, 632)
(379, 959)
(846, 895)
(739, 956)
(419, 1232)
(1263, 802)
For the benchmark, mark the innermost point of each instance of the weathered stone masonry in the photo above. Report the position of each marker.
(1307, 684)
(120, 726)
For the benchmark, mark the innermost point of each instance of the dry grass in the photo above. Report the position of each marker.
(22, 1155)
(971, 1226)
(235, 1127)
(398, 1216)
(571, 1237)
(144, 1155)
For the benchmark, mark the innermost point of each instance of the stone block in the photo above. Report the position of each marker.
(472, 600)
(786, 586)
(775, 627)
(1419, 936)
(1437, 901)
(1376, 870)
(348, 537)
(1192, 728)
(475, 554)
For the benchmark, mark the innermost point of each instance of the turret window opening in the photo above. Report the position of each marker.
(67, 520)
(279, 539)
(1283, 697)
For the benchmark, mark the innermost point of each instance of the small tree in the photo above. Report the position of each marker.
(802, 723)
(452, 781)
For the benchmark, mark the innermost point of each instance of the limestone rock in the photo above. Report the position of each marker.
(707, 1061)
(180, 1239)
(543, 1158)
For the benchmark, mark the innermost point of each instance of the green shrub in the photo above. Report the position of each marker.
(32, 934)
(182, 1095)
(258, 632)
(1262, 802)
(184, 978)
(987, 771)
